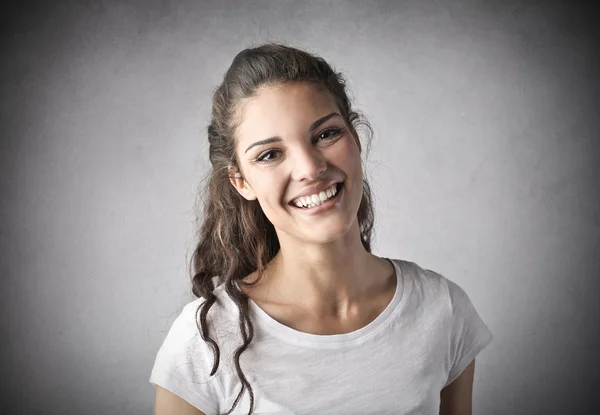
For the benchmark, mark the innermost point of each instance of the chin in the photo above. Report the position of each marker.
(332, 232)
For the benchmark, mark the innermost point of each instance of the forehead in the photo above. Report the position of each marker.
(281, 109)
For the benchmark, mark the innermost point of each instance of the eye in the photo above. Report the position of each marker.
(267, 156)
(328, 134)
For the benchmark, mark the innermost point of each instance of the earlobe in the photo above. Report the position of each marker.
(240, 184)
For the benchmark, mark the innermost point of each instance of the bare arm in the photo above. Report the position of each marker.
(457, 397)
(167, 403)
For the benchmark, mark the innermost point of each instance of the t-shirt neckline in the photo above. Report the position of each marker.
(289, 334)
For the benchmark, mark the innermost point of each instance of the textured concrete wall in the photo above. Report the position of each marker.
(484, 168)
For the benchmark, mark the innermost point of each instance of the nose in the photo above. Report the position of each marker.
(309, 164)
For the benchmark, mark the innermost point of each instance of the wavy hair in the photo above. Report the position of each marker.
(234, 237)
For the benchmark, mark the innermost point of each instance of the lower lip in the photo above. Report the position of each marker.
(323, 207)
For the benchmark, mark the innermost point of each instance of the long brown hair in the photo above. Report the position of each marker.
(235, 238)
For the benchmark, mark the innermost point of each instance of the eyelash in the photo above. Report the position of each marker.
(335, 133)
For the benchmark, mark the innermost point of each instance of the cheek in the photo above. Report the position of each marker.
(350, 163)
(348, 159)
(268, 189)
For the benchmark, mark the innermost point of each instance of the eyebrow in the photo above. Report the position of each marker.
(276, 139)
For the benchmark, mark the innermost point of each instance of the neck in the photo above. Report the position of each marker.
(327, 279)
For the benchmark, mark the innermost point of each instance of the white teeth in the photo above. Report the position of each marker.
(316, 199)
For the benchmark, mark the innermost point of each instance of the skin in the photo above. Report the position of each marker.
(322, 281)
(319, 273)
(457, 397)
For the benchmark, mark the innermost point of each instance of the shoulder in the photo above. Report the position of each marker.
(183, 343)
(185, 324)
(185, 329)
(440, 287)
(437, 301)
(184, 362)
(426, 283)
(432, 291)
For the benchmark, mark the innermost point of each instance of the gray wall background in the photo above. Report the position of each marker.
(484, 167)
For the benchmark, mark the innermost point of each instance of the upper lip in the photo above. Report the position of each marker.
(315, 189)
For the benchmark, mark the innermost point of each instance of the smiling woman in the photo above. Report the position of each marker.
(295, 314)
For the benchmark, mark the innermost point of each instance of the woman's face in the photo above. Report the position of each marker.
(293, 142)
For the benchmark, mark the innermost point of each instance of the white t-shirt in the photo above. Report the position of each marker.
(397, 364)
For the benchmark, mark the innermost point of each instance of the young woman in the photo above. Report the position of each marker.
(294, 314)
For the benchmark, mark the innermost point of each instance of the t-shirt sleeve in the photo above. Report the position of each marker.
(183, 363)
(469, 335)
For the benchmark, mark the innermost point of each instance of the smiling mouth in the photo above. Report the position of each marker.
(330, 201)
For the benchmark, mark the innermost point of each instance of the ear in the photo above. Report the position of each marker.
(240, 184)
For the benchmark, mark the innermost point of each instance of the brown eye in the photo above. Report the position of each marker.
(266, 156)
(328, 134)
